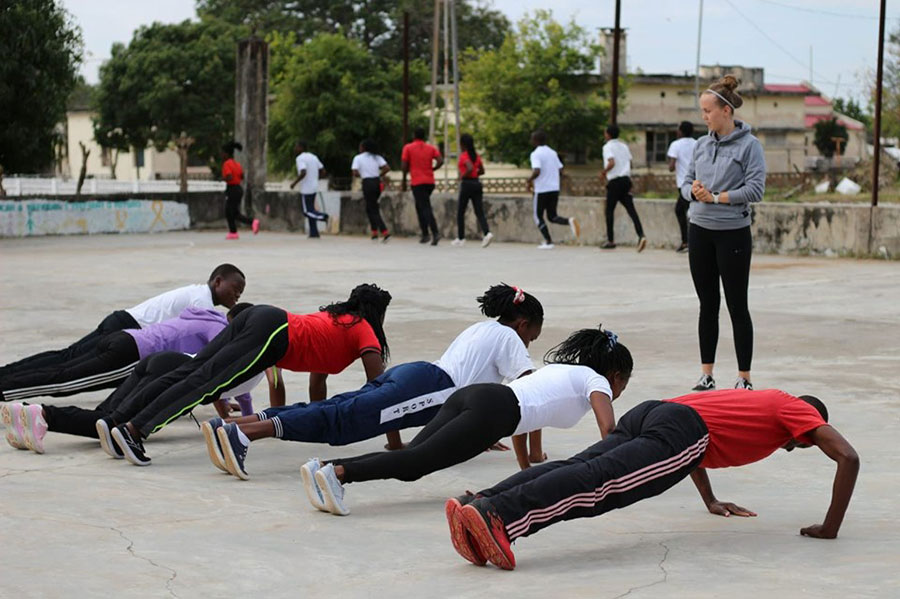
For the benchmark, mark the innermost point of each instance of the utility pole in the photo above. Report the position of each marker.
(879, 75)
(405, 87)
(697, 69)
(435, 36)
(446, 86)
(614, 108)
(453, 45)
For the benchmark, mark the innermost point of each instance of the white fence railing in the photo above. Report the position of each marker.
(45, 186)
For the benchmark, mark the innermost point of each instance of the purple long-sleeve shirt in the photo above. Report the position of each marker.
(189, 333)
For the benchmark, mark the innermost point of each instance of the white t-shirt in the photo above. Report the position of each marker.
(311, 163)
(546, 159)
(172, 303)
(619, 152)
(556, 395)
(368, 165)
(487, 352)
(682, 150)
(245, 387)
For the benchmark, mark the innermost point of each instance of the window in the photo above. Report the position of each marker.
(657, 145)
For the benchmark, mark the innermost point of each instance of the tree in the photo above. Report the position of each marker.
(333, 93)
(538, 78)
(828, 131)
(170, 84)
(41, 50)
(890, 101)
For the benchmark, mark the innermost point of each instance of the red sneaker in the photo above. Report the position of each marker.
(462, 542)
(488, 533)
(232, 236)
(255, 226)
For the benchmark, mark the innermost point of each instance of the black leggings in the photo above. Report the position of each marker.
(422, 196)
(618, 191)
(255, 340)
(233, 195)
(547, 202)
(73, 420)
(472, 419)
(371, 188)
(726, 255)
(681, 210)
(470, 189)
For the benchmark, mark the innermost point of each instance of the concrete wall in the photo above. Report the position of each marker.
(35, 217)
(842, 229)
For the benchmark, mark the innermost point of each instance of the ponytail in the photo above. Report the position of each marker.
(508, 303)
(366, 302)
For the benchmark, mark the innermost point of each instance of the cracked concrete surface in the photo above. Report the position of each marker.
(181, 528)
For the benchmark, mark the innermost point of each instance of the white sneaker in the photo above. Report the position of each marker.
(458, 242)
(313, 492)
(546, 246)
(487, 239)
(332, 490)
(576, 228)
(743, 383)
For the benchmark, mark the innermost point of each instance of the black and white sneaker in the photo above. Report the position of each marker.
(706, 383)
(132, 449)
(743, 383)
(106, 440)
(233, 450)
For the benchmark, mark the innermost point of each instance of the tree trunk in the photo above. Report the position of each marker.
(113, 162)
(182, 145)
(2, 191)
(81, 175)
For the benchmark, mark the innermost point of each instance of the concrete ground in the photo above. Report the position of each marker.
(75, 523)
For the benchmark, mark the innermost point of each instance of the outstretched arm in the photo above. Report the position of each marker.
(318, 389)
(520, 444)
(719, 508)
(603, 412)
(838, 449)
(277, 393)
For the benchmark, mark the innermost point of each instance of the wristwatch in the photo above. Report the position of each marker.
(715, 197)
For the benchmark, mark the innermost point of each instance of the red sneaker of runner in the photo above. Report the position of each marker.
(460, 538)
(488, 533)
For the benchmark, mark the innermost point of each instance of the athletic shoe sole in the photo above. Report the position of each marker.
(576, 227)
(129, 455)
(459, 536)
(228, 453)
(212, 446)
(331, 502)
(487, 240)
(485, 542)
(312, 489)
(642, 243)
(14, 437)
(29, 421)
(106, 442)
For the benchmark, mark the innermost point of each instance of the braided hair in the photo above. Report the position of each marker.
(596, 348)
(367, 302)
(508, 303)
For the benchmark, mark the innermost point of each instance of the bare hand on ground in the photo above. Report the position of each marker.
(725, 508)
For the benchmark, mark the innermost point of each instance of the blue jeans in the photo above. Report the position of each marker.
(405, 396)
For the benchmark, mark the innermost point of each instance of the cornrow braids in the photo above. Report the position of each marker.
(508, 303)
(596, 348)
(366, 302)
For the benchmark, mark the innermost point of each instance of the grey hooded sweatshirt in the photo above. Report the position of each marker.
(734, 163)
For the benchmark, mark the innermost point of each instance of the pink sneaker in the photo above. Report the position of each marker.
(11, 416)
(255, 226)
(35, 426)
(232, 236)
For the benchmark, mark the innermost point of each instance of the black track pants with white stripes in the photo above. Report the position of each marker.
(655, 445)
(107, 365)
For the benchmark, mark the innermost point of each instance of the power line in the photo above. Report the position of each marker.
(819, 11)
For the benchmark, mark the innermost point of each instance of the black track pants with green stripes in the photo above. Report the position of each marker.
(255, 340)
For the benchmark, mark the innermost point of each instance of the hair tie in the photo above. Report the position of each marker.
(721, 97)
(612, 338)
(520, 295)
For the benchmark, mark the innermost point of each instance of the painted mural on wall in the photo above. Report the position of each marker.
(29, 218)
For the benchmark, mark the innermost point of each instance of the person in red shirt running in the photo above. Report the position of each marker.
(420, 160)
(233, 175)
(470, 169)
(655, 445)
(322, 343)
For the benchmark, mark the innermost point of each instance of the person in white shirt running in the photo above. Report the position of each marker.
(546, 169)
(309, 169)
(370, 167)
(680, 155)
(586, 372)
(617, 173)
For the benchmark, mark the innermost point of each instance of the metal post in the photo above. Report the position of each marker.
(445, 88)
(455, 70)
(435, 35)
(879, 74)
(697, 71)
(614, 107)
(405, 85)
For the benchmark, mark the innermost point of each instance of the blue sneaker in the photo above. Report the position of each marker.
(233, 450)
(332, 490)
(209, 429)
(313, 492)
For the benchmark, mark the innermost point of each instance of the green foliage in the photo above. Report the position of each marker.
(826, 131)
(333, 93)
(41, 50)
(538, 78)
(168, 80)
(851, 108)
(890, 100)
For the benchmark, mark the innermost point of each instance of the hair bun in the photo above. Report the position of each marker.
(730, 82)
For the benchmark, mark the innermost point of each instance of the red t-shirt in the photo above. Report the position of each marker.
(746, 426)
(463, 159)
(419, 156)
(319, 343)
(232, 167)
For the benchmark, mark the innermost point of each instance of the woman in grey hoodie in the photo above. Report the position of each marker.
(727, 174)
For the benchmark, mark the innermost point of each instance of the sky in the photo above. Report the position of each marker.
(661, 34)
